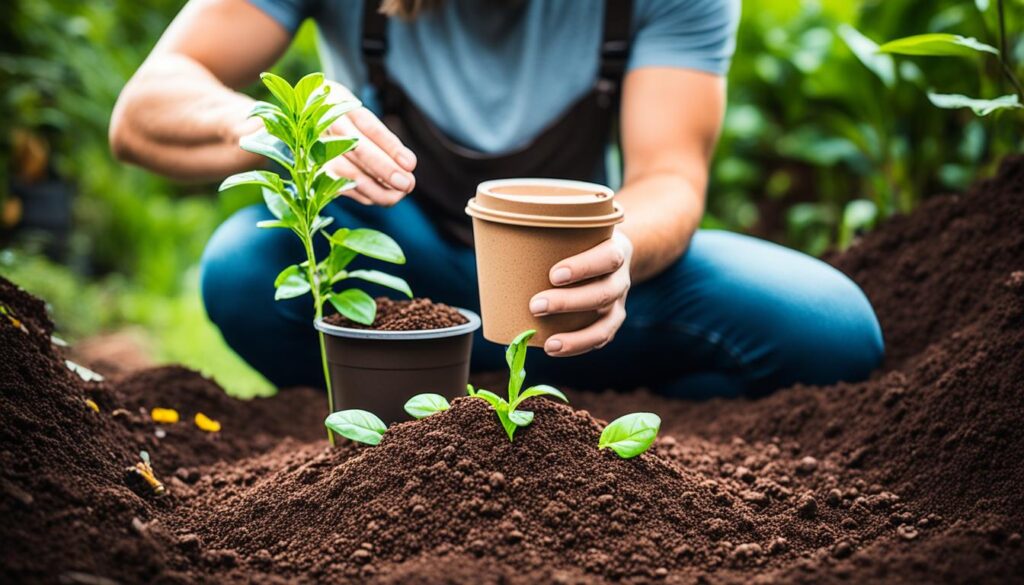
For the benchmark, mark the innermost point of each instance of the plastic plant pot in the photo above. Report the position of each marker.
(521, 228)
(379, 370)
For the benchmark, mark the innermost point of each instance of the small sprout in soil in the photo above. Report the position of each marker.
(630, 435)
(294, 136)
(511, 418)
(13, 320)
(144, 469)
(206, 423)
(165, 416)
(58, 341)
(92, 404)
(357, 425)
(83, 372)
(424, 405)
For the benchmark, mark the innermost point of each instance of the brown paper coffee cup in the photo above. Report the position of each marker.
(521, 228)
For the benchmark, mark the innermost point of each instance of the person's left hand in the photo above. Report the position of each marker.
(606, 268)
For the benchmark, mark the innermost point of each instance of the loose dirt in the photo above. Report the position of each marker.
(406, 315)
(912, 476)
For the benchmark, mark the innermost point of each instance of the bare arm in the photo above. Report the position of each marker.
(670, 122)
(180, 115)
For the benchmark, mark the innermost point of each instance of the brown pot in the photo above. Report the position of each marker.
(380, 370)
(521, 228)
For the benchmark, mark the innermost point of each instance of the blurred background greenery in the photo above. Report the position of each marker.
(823, 138)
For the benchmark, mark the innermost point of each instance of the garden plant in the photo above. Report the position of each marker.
(294, 138)
(628, 435)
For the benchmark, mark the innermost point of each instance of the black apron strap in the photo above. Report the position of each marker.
(615, 42)
(374, 42)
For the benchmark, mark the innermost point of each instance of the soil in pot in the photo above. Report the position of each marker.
(405, 315)
(912, 476)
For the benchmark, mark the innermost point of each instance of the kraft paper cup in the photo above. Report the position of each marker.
(521, 229)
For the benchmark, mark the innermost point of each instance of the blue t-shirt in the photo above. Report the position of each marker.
(493, 75)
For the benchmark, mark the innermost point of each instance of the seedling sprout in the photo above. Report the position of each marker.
(508, 410)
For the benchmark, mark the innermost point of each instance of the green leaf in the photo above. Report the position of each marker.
(328, 114)
(264, 144)
(290, 283)
(327, 188)
(337, 260)
(275, 121)
(383, 279)
(979, 106)
(515, 357)
(866, 51)
(540, 390)
(630, 435)
(278, 207)
(262, 178)
(282, 90)
(306, 86)
(355, 305)
(858, 215)
(521, 418)
(470, 391)
(358, 425)
(424, 405)
(328, 148)
(506, 421)
(491, 398)
(937, 45)
(321, 222)
(272, 223)
(371, 243)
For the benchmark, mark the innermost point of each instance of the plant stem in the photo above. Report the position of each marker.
(1004, 56)
(318, 314)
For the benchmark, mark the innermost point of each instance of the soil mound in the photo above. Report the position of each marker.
(913, 476)
(550, 503)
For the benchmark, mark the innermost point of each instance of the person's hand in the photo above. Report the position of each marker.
(606, 268)
(381, 165)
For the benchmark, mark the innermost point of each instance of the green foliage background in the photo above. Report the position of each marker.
(816, 146)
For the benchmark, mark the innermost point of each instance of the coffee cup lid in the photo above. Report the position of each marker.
(545, 203)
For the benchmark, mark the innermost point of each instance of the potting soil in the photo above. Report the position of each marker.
(912, 476)
(406, 315)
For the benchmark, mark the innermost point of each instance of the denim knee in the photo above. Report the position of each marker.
(226, 248)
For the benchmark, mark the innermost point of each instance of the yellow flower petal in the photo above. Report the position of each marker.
(206, 423)
(164, 415)
(92, 404)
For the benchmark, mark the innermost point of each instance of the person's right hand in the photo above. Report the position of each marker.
(381, 165)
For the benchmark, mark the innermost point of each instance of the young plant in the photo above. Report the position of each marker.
(630, 435)
(508, 410)
(424, 405)
(944, 44)
(358, 425)
(144, 469)
(294, 137)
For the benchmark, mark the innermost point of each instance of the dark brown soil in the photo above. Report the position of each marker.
(405, 315)
(914, 476)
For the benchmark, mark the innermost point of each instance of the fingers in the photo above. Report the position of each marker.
(370, 157)
(597, 294)
(375, 130)
(604, 258)
(596, 336)
(368, 190)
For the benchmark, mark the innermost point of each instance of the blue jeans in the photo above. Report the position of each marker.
(735, 315)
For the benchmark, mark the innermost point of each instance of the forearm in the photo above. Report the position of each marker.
(663, 211)
(175, 118)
